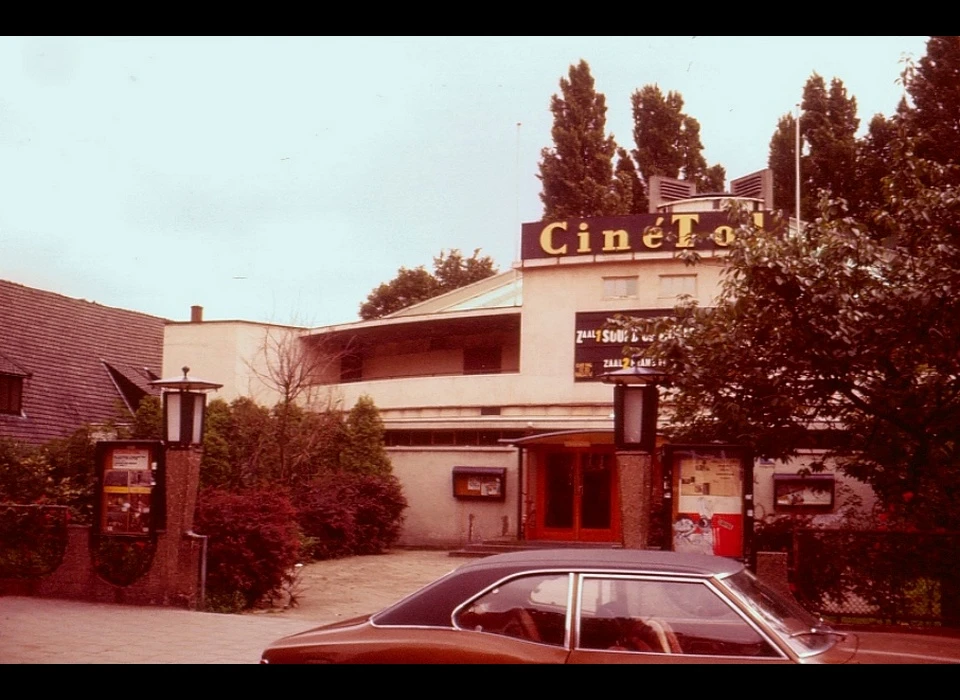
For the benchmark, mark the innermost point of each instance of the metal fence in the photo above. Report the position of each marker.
(878, 577)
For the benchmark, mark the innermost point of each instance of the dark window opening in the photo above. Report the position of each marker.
(351, 368)
(11, 393)
(447, 438)
(482, 360)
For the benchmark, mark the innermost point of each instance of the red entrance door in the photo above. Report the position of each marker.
(577, 497)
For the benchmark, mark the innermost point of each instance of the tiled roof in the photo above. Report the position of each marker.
(83, 361)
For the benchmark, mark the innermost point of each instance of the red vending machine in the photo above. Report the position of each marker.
(708, 499)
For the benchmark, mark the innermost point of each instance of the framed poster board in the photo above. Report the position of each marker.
(798, 493)
(709, 499)
(129, 500)
(480, 483)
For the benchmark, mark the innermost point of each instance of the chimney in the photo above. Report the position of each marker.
(196, 314)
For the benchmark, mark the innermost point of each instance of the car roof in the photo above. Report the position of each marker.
(434, 604)
(580, 558)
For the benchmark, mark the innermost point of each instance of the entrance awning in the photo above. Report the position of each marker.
(566, 438)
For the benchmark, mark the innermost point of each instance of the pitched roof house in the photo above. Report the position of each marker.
(68, 362)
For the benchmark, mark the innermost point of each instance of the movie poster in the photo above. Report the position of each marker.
(709, 504)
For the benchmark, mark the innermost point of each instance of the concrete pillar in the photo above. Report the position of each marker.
(635, 470)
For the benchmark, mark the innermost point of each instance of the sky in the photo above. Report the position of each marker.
(282, 179)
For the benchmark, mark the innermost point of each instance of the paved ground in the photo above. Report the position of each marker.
(56, 631)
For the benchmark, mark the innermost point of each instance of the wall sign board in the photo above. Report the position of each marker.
(480, 483)
(129, 500)
(709, 498)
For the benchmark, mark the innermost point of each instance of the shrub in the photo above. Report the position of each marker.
(33, 540)
(122, 560)
(345, 513)
(253, 543)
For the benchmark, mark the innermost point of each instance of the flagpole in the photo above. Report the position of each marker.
(797, 150)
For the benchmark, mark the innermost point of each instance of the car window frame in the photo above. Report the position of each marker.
(568, 604)
(575, 613)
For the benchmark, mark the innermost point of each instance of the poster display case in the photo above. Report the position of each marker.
(128, 473)
(709, 499)
(480, 483)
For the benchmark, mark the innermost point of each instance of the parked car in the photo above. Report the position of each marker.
(601, 606)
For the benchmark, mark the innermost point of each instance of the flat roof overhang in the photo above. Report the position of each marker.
(368, 333)
(565, 438)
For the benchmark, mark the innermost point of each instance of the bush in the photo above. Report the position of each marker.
(253, 546)
(344, 513)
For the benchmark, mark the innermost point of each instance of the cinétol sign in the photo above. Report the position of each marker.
(638, 233)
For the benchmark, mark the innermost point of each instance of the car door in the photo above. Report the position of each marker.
(650, 619)
(526, 616)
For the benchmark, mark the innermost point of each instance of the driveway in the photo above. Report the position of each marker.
(58, 631)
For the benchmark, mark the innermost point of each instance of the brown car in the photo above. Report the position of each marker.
(600, 606)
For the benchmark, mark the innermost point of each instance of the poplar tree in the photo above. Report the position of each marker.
(577, 172)
(934, 86)
(364, 451)
(828, 148)
(668, 141)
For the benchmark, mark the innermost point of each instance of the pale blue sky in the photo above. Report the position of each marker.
(282, 178)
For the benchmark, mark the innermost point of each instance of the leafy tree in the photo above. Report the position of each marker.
(364, 451)
(631, 194)
(782, 162)
(843, 326)
(577, 173)
(217, 467)
(668, 141)
(828, 147)
(451, 271)
(148, 420)
(828, 124)
(934, 86)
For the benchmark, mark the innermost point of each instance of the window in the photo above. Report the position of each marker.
(677, 285)
(533, 608)
(11, 393)
(619, 287)
(351, 368)
(664, 617)
(481, 360)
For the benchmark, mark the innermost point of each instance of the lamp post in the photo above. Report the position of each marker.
(184, 402)
(635, 407)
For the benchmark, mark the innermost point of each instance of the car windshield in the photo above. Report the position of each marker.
(805, 634)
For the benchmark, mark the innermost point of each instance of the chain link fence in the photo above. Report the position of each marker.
(878, 577)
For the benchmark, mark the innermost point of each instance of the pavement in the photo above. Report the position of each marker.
(57, 631)
(61, 631)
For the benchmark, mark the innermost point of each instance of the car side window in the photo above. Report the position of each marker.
(663, 617)
(528, 607)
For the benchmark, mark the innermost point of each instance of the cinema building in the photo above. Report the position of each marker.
(498, 422)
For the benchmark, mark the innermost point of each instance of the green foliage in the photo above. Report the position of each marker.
(450, 271)
(61, 472)
(846, 324)
(122, 560)
(668, 141)
(148, 420)
(577, 173)
(830, 152)
(33, 540)
(254, 543)
(364, 451)
(345, 514)
(935, 89)
(453, 271)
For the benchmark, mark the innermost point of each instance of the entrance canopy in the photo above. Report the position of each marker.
(565, 438)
